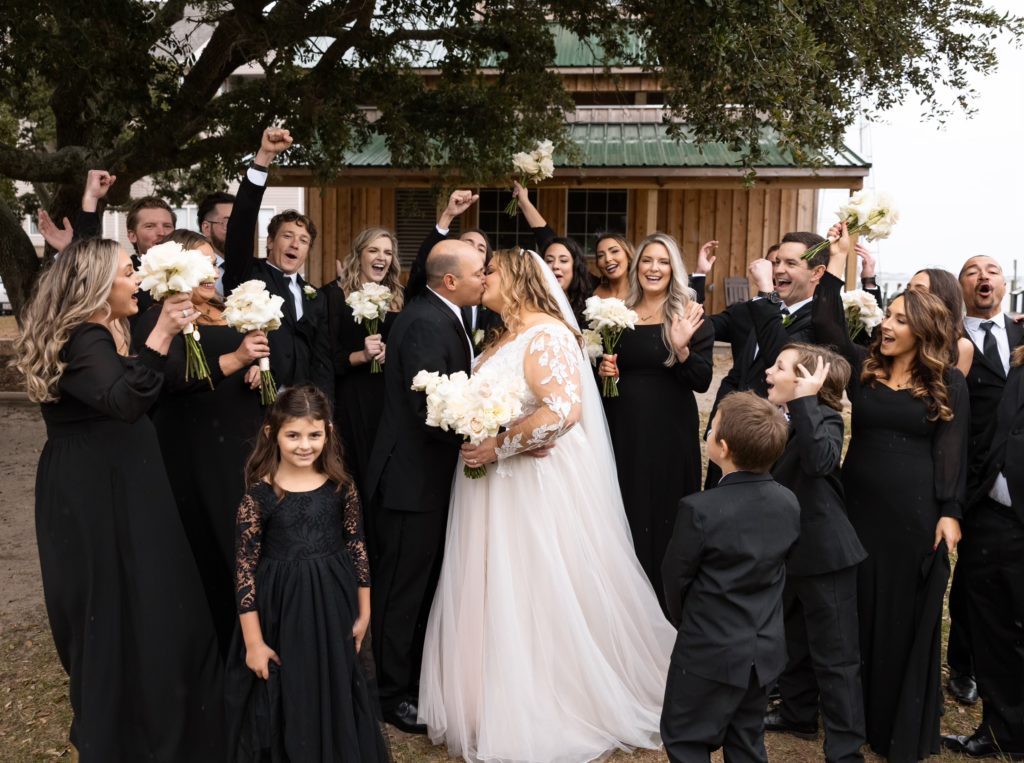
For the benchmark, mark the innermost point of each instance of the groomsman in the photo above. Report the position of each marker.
(213, 214)
(994, 335)
(724, 573)
(410, 474)
(779, 314)
(992, 556)
(300, 351)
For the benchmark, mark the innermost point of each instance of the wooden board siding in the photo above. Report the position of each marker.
(744, 221)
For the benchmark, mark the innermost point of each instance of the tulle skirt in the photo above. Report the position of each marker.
(545, 642)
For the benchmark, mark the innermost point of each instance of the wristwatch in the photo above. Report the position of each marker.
(259, 167)
(772, 296)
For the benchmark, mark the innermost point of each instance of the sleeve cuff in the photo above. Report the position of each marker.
(152, 359)
(257, 177)
(442, 231)
(698, 275)
(952, 509)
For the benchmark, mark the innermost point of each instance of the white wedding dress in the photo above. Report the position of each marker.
(545, 641)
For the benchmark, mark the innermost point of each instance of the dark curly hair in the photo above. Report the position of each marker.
(581, 287)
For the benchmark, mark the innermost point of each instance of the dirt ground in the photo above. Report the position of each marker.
(34, 711)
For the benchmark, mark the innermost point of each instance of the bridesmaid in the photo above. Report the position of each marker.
(910, 409)
(563, 255)
(124, 600)
(654, 422)
(358, 394)
(206, 434)
(944, 285)
(614, 256)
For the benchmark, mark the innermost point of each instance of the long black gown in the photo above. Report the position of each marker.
(205, 436)
(902, 473)
(655, 429)
(358, 394)
(124, 599)
(300, 560)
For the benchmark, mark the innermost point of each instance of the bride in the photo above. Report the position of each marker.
(545, 641)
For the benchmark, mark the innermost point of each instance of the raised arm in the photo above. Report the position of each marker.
(542, 232)
(682, 559)
(819, 435)
(459, 201)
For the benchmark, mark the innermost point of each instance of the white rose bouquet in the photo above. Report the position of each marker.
(474, 407)
(872, 213)
(609, 318)
(370, 306)
(250, 307)
(593, 345)
(862, 312)
(168, 269)
(532, 167)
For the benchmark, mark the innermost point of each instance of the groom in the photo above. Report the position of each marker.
(410, 473)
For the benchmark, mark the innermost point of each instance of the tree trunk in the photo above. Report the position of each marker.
(19, 264)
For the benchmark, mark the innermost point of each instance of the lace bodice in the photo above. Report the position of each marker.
(299, 526)
(548, 358)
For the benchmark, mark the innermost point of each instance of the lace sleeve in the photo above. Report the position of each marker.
(355, 541)
(552, 370)
(248, 546)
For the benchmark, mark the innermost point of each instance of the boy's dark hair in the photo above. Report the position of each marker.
(211, 200)
(809, 240)
(755, 430)
(291, 216)
(831, 392)
(147, 202)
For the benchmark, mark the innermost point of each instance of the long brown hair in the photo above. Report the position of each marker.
(305, 402)
(523, 287)
(932, 326)
(831, 392)
(944, 285)
(351, 277)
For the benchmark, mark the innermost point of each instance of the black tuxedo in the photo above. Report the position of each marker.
(764, 341)
(985, 382)
(410, 478)
(724, 573)
(300, 350)
(992, 556)
(820, 598)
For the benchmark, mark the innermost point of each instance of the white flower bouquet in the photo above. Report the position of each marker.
(474, 407)
(872, 213)
(250, 307)
(609, 318)
(168, 269)
(370, 306)
(862, 312)
(593, 345)
(532, 167)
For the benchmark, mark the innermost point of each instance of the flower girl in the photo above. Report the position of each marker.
(302, 587)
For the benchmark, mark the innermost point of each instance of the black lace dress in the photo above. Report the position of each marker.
(655, 429)
(299, 562)
(124, 599)
(901, 474)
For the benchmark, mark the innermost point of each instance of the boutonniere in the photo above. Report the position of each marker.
(478, 337)
(787, 319)
(308, 291)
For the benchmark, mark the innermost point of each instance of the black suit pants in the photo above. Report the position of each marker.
(823, 660)
(410, 548)
(700, 715)
(992, 553)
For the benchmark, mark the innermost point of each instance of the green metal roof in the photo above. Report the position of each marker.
(633, 145)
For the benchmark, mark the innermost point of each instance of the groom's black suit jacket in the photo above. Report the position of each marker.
(412, 464)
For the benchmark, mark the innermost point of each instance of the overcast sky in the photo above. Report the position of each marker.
(959, 187)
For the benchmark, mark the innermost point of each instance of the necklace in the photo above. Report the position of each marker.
(651, 314)
(207, 317)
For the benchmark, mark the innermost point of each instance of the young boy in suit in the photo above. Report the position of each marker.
(724, 573)
(820, 597)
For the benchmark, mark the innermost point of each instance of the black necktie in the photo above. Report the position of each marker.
(467, 319)
(990, 348)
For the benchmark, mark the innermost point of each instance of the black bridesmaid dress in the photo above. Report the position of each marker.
(902, 473)
(206, 436)
(655, 429)
(358, 394)
(300, 560)
(124, 599)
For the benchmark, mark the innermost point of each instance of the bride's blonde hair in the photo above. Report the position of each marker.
(523, 287)
(73, 289)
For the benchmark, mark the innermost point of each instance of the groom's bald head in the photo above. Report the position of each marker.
(455, 270)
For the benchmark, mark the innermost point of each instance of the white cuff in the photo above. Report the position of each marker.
(698, 275)
(256, 177)
(442, 231)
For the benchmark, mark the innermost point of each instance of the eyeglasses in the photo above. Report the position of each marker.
(223, 222)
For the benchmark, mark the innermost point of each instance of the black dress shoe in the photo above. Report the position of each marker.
(773, 721)
(963, 688)
(403, 717)
(979, 745)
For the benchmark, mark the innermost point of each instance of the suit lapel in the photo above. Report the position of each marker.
(979, 353)
(282, 290)
(454, 322)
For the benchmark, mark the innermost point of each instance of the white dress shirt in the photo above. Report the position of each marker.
(458, 314)
(977, 334)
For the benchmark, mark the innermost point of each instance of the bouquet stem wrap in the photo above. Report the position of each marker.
(196, 366)
(610, 339)
(268, 387)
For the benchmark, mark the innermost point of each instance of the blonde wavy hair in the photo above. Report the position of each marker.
(679, 292)
(73, 289)
(523, 287)
(932, 325)
(351, 278)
